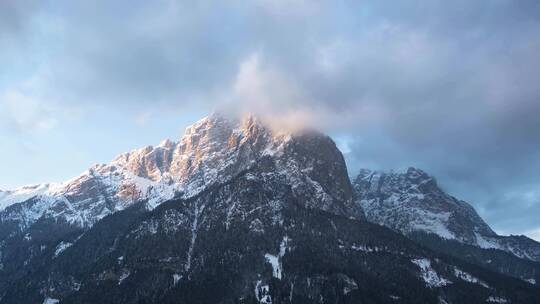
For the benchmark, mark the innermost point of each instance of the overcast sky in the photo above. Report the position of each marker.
(449, 86)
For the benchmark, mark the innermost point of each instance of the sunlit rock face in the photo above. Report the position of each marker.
(212, 151)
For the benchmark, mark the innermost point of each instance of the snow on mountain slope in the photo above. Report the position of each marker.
(410, 201)
(212, 151)
(8, 198)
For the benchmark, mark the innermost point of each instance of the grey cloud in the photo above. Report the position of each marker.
(13, 17)
(16, 21)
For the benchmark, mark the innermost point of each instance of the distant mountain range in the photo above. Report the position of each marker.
(238, 212)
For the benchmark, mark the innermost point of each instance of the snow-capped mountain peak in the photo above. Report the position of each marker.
(212, 151)
(410, 200)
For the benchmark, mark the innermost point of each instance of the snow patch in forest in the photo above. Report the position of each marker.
(262, 293)
(468, 277)
(429, 275)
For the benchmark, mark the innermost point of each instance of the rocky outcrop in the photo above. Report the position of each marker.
(212, 151)
(411, 201)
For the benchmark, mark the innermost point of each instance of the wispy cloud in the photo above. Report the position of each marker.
(24, 114)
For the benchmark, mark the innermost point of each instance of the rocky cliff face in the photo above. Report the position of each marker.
(212, 151)
(411, 201)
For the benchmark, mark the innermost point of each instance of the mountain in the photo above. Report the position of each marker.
(212, 151)
(410, 201)
(235, 212)
(249, 240)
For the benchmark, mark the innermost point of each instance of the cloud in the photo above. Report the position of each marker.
(23, 114)
(262, 88)
(267, 92)
(14, 17)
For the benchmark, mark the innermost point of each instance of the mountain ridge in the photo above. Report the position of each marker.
(271, 248)
(213, 149)
(411, 201)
